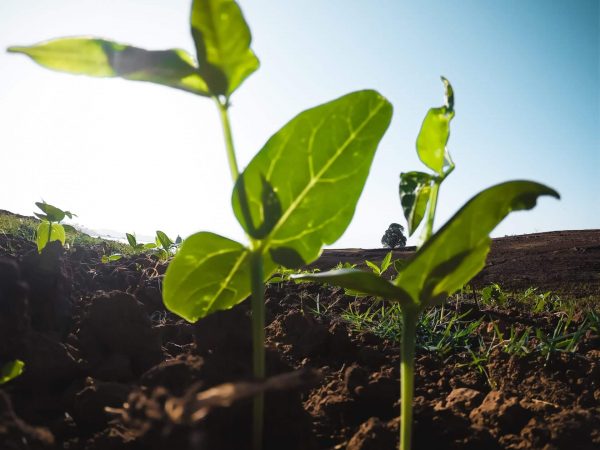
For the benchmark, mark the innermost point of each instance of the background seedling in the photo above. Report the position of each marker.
(50, 228)
(316, 163)
(447, 259)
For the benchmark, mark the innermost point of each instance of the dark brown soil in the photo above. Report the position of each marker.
(106, 367)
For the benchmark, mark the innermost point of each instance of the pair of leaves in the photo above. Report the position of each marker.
(452, 256)
(416, 187)
(222, 40)
(297, 194)
(52, 213)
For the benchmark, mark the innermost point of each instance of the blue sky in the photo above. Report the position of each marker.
(138, 157)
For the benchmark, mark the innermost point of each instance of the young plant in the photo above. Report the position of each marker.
(164, 245)
(50, 228)
(448, 259)
(297, 194)
(11, 370)
(385, 265)
(111, 258)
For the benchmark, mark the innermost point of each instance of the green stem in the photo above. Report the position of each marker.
(233, 167)
(49, 232)
(407, 375)
(258, 342)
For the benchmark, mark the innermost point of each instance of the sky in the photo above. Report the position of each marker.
(137, 157)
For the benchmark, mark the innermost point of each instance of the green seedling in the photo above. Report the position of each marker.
(385, 265)
(296, 195)
(10, 371)
(448, 259)
(164, 246)
(50, 229)
(111, 258)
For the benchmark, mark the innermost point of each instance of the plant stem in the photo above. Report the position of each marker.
(407, 375)
(258, 342)
(233, 167)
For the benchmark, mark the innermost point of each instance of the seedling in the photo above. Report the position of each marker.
(448, 259)
(50, 228)
(111, 258)
(10, 371)
(385, 265)
(297, 194)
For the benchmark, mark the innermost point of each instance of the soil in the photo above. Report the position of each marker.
(106, 367)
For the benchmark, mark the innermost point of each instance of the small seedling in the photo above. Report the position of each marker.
(50, 229)
(165, 246)
(296, 195)
(10, 371)
(448, 259)
(111, 258)
(385, 265)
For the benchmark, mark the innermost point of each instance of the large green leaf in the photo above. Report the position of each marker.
(415, 191)
(11, 370)
(457, 252)
(317, 165)
(209, 273)
(359, 281)
(222, 40)
(435, 131)
(48, 232)
(101, 58)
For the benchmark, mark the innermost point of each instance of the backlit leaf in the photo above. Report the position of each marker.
(101, 58)
(164, 240)
(457, 252)
(415, 191)
(222, 39)
(434, 134)
(48, 232)
(317, 164)
(209, 273)
(270, 208)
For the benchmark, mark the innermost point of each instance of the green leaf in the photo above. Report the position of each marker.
(149, 245)
(317, 165)
(164, 240)
(131, 239)
(415, 191)
(386, 263)
(457, 252)
(222, 39)
(359, 281)
(11, 370)
(52, 213)
(209, 273)
(434, 134)
(48, 232)
(270, 208)
(374, 267)
(101, 58)
(287, 257)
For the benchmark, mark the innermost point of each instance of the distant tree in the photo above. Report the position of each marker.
(394, 237)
